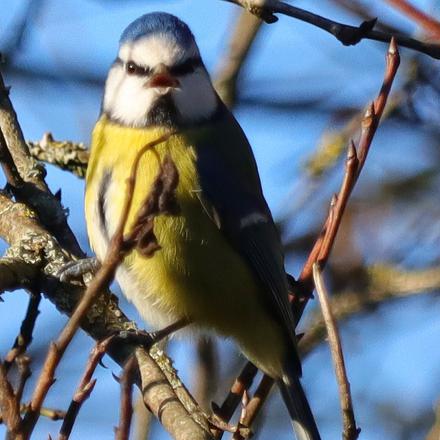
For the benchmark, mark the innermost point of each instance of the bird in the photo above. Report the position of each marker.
(219, 261)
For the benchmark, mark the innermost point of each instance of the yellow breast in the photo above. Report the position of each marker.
(196, 273)
(192, 249)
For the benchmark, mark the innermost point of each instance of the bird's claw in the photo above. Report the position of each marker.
(148, 339)
(78, 268)
(138, 337)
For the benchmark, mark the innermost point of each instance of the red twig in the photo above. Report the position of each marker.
(9, 404)
(346, 34)
(233, 399)
(323, 245)
(117, 250)
(122, 432)
(84, 389)
(253, 406)
(354, 165)
(428, 23)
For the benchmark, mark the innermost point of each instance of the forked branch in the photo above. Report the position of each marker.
(323, 245)
(346, 34)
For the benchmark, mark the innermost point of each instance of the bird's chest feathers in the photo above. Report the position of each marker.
(113, 153)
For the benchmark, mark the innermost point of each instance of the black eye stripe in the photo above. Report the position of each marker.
(186, 67)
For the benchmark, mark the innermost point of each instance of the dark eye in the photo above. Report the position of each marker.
(186, 67)
(133, 69)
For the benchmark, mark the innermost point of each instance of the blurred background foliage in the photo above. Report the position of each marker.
(298, 97)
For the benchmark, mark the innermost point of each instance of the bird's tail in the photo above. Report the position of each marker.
(301, 416)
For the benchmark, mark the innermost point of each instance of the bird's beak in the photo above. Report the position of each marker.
(162, 79)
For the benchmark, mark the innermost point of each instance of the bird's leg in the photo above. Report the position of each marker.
(174, 327)
(78, 268)
(148, 339)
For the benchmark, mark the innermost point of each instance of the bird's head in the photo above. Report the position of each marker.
(158, 77)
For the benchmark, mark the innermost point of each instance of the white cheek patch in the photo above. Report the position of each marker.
(126, 98)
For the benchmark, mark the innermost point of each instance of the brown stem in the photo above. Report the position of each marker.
(347, 35)
(322, 247)
(350, 431)
(34, 191)
(84, 389)
(428, 23)
(122, 432)
(242, 38)
(9, 405)
(233, 399)
(27, 327)
(116, 252)
(254, 405)
(24, 373)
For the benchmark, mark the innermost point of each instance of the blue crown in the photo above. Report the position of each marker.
(158, 23)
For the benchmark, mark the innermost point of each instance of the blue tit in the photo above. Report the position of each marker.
(220, 262)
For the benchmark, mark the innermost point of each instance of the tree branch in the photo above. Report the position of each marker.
(428, 23)
(346, 34)
(122, 432)
(164, 404)
(321, 249)
(350, 431)
(32, 244)
(32, 188)
(84, 389)
(383, 284)
(69, 156)
(9, 405)
(27, 327)
(15, 273)
(240, 42)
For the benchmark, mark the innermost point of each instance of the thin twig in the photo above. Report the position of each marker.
(241, 40)
(369, 125)
(253, 406)
(428, 23)
(37, 248)
(241, 422)
(9, 405)
(27, 327)
(346, 34)
(116, 252)
(84, 389)
(324, 242)
(350, 431)
(362, 11)
(122, 432)
(242, 383)
(206, 371)
(24, 373)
